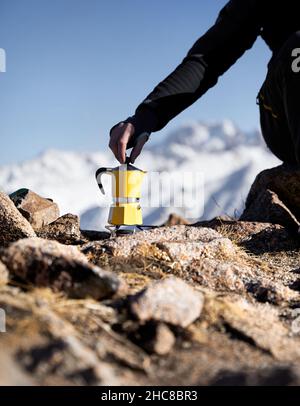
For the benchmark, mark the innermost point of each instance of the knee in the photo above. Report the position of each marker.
(295, 37)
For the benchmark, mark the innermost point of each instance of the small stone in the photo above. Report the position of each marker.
(175, 220)
(267, 207)
(46, 263)
(3, 274)
(65, 229)
(162, 340)
(36, 209)
(170, 300)
(13, 226)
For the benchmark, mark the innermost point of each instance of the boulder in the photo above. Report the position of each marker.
(65, 229)
(123, 247)
(36, 209)
(267, 207)
(170, 301)
(284, 181)
(13, 226)
(63, 268)
(3, 274)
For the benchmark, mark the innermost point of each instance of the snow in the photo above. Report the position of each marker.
(226, 157)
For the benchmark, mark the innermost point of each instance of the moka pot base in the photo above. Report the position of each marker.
(126, 214)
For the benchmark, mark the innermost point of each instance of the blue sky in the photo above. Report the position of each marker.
(76, 67)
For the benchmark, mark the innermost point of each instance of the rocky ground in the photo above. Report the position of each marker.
(214, 303)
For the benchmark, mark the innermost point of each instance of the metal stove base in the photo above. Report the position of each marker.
(117, 231)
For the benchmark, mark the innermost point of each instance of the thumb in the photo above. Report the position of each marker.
(141, 141)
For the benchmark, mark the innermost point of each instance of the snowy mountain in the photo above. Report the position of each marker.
(227, 158)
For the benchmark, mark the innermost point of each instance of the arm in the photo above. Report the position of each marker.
(235, 31)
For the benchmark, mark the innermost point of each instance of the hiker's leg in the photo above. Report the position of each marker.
(280, 107)
(274, 124)
(273, 118)
(291, 92)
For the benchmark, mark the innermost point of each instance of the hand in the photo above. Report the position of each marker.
(119, 139)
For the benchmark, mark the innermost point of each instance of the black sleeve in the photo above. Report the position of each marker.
(235, 31)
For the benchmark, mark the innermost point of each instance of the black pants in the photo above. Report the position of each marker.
(279, 101)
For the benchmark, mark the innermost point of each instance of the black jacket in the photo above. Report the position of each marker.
(237, 27)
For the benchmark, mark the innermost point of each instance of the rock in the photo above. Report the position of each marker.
(267, 207)
(47, 350)
(257, 324)
(175, 220)
(236, 230)
(284, 181)
(186, 252)
(63, 268)
(13, 226)
(156, 338)
(91, 235)
(221, 275)
(11, 374)
(233, 275)
(274, 197)
(277, 376)
(65, 354)
(3, 274)
(36, 209)
(65, 229)
(272, 239)
(170, 300)
(176, 233)
(254, 236)
(123, 247)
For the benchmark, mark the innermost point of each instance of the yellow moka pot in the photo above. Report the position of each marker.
(126, 190)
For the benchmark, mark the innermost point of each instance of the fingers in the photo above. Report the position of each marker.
(119, 139)
(138, 147)
(122, 145)
(113, 142)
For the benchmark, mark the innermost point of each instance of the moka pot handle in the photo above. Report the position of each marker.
(99, 173)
